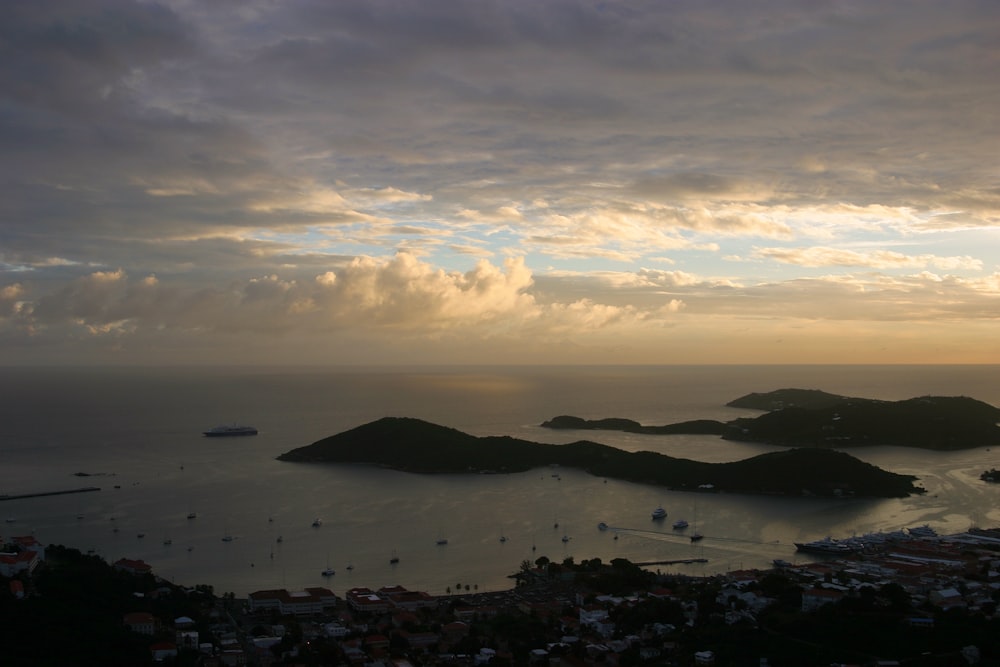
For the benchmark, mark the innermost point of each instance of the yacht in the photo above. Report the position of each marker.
(659, 513)
(827, 545)
(680, 524)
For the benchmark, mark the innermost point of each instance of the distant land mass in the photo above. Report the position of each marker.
(812, 418)
(414, 445)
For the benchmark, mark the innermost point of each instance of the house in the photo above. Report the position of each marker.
(12, 564)
(420, 639)
(947, 598)
(183, 623)
(704, 658)
(188, 639)
(163, 650)
(141, 622)
(455, 631)
(132, 566)
(29, 543)
(817, 597)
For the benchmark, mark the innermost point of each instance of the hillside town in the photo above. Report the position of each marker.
(920, 599)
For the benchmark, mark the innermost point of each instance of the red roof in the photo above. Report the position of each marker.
(135, 565)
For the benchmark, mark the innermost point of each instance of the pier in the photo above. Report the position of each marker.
(18, 496)
(680, 561)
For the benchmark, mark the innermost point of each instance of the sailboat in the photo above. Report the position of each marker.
(226, 537)
(328, 572)
(696, 535)
(394, 559)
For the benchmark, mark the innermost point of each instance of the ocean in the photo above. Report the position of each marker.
(137, 434)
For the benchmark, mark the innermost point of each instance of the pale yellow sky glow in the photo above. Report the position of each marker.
(499, 182)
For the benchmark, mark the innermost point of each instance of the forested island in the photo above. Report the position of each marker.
(417, 446)
(812, 418)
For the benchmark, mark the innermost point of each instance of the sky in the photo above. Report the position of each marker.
(499, 182)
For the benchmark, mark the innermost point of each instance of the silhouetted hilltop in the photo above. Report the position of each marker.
(695, 426)
(786, 398)
(417, 446)
(812, 418)
(931, 422)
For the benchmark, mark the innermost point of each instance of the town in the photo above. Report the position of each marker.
(912, 600)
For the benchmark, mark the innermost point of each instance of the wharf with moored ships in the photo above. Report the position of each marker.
(867, 543)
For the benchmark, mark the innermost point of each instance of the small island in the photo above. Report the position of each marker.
(812, 418)
(414, 445)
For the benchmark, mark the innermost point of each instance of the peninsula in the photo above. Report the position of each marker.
(417, 446)
(811, 418)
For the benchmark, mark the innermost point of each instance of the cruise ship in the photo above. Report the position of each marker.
(230, 430)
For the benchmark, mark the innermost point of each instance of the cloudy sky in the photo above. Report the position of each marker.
(499, 181)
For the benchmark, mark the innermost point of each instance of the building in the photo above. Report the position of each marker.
(141, 622)
(13, 564)
(365, 600)
(298, 603)
(817, 597)
(133, 566)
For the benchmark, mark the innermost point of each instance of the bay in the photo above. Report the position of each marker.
(139, 429)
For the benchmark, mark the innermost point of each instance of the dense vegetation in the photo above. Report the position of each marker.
(73, 614)
(812, 418)
(418, 446)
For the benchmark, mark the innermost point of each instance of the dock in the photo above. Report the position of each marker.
(18, 496)
(681, 561)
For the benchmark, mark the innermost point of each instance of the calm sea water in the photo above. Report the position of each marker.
(140, 430)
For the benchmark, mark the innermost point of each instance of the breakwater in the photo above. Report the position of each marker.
(39, 494)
